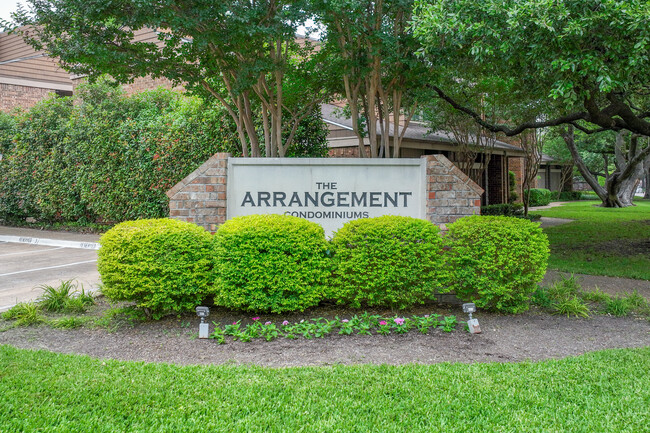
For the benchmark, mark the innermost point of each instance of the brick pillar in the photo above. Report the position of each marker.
(200, 198)
(450, 193)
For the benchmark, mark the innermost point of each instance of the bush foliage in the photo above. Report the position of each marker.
(566, 195)
(504, 209)
(539, 197)
(105, 157)
(273, 263)
(389, 261)
(496, 262)
(163, 265)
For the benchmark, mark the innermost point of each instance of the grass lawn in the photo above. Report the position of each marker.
(599, 392)
(602, 241)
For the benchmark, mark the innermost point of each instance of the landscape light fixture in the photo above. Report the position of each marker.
(204, 328)
(472, 324)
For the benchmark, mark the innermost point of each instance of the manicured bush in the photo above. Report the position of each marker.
(539, 197)
(389, 261)
(566, 195)
(496, 262)
(163, 265)
(503, 209)
(270, 263)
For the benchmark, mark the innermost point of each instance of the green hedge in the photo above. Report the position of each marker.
(566, 195)
(496, 262)
(163, 265)
(273, 263)
(105, 157)
(389, 261)
(504, 209)
(539, 197)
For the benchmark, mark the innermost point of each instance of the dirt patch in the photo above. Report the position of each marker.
(530, 336)
(624, 247)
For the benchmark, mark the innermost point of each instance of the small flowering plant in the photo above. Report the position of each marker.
(345, 327)
(269, 331)
(384, 327)
(364, 324)
(401, 325)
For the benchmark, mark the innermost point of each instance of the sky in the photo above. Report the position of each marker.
(8, 6)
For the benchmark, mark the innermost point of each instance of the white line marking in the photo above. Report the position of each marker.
(29, 252)
(49, 267)
(50, 242)
(7, 306)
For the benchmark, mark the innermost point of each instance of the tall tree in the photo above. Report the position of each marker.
(241, 53)
(581, 63)
(381, 77)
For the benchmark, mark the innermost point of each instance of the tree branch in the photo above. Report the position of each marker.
(569, 118)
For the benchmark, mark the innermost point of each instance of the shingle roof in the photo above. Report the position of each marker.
(415, 131)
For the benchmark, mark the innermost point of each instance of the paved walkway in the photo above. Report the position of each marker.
(548, 206)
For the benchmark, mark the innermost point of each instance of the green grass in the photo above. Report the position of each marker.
(599, 392)
(602, 241)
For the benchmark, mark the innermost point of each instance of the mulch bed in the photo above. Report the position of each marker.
(533, 336)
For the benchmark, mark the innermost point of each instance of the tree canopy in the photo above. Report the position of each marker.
(242, 53)
(586, 60)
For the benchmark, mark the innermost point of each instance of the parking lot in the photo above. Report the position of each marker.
(31, 258)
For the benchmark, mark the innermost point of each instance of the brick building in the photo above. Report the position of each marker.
(28, 76)
(419, 141)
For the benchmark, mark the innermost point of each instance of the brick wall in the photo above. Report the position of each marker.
(200, 198)
(516, 165)
(140, 84)
(450, 193)
(13, 96)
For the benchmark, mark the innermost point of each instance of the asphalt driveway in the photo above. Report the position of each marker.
(30, 258)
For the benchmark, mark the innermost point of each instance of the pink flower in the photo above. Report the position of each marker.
(285, 323)
(234, 323)
(255, 319)
(399, 321)
(267, 323)
(382, 323)
(344, 320)
(426, 316)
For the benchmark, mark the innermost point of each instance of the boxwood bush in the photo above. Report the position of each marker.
(539, 197)
(389, 261)
(163, 265)
(496, 261)
(273, 263)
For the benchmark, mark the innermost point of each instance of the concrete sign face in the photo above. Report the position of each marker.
(329, 192)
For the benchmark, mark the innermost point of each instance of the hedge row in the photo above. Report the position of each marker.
(280, 263)
(539, 197)
(105, 157)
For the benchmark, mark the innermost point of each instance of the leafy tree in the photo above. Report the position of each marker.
(243, 54)
(568, 62)
(373, 51)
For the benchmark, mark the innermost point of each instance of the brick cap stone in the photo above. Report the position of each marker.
(196, 173)
(456, 172)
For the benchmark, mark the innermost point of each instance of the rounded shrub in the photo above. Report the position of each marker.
(539, 197)
(389, 261)
(496, 262)
(163, 265)
(273, 263)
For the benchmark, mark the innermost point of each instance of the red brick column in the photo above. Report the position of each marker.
(200, 198)
(450, 193)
